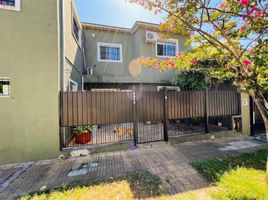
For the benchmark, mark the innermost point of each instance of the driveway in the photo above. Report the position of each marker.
(170, 162)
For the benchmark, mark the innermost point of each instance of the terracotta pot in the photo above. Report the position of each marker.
(82, 138)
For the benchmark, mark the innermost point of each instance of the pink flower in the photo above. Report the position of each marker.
(168, 28)
(242, 29)
(171, 64)
(224, 5)
(244, 2)
(246, 62)
(192, 33)
(194, 62)
(181, 53)
(158, 65)
(258, 14)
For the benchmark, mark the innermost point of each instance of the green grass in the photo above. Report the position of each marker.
(242, 184)
(134, 185)
(212, 169)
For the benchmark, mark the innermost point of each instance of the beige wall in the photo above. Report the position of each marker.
(74, 65)
(30, 57)
(133, 46)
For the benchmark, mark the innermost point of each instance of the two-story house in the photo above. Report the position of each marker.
(112, 52)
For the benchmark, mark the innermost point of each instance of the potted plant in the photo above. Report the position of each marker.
(82, 134)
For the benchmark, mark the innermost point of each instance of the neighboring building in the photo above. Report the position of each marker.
(41, 54)
(110, 50)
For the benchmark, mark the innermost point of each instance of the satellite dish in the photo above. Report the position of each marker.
(134, 67)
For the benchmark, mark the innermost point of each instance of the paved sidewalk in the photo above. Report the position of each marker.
(170, 163)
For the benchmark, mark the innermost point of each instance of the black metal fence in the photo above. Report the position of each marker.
(134, 115)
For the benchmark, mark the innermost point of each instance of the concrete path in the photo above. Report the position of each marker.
(170, 163)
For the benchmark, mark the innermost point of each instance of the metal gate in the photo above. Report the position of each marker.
(143, 116)
(257, 124)
(150, 115)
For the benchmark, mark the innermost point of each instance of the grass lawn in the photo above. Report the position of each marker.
(240, 177)
(212, 169)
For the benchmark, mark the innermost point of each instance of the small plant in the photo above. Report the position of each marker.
(82, 134)
(82, 129)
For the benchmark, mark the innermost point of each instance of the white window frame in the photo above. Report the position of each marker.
(175, 41)
(72, 82)
(6, 78)
(15, 8)
(99, 44)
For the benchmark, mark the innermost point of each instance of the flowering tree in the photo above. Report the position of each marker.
(232, 33)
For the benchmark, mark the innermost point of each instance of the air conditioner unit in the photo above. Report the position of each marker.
(151, 36)
(89, 70)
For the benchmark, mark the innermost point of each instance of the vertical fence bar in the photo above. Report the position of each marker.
(165, 115)
(206, 113)
(135, 128)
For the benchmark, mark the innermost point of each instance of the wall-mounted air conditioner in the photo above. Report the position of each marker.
(151, 36)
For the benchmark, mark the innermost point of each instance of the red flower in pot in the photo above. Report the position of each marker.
(82, 134)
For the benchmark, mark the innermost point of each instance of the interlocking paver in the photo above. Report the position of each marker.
(170, 163)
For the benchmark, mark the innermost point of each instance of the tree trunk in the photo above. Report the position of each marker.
(261, 104)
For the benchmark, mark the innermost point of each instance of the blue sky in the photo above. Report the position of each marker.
(114, 12)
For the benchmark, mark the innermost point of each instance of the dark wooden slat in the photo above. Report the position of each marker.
(81, 108)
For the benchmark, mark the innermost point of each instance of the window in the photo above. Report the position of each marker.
(76, 28)
(76, 31)
(168, 49)
(10, 4)
(4, 86)
(109, 52)
(73, 86)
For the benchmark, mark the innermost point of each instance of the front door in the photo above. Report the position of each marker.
(257, 124)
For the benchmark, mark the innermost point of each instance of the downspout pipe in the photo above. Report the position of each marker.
(62, 44)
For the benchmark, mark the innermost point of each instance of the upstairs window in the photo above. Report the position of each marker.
(4, 86)
(10, 4)
(109, 52)
(166, 49)
(76, 30)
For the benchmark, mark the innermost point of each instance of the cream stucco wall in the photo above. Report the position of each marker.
(74, 65)
(29, 121)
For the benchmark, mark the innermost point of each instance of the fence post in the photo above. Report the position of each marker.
(135, 127)
(165, 115)
(206, 110)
